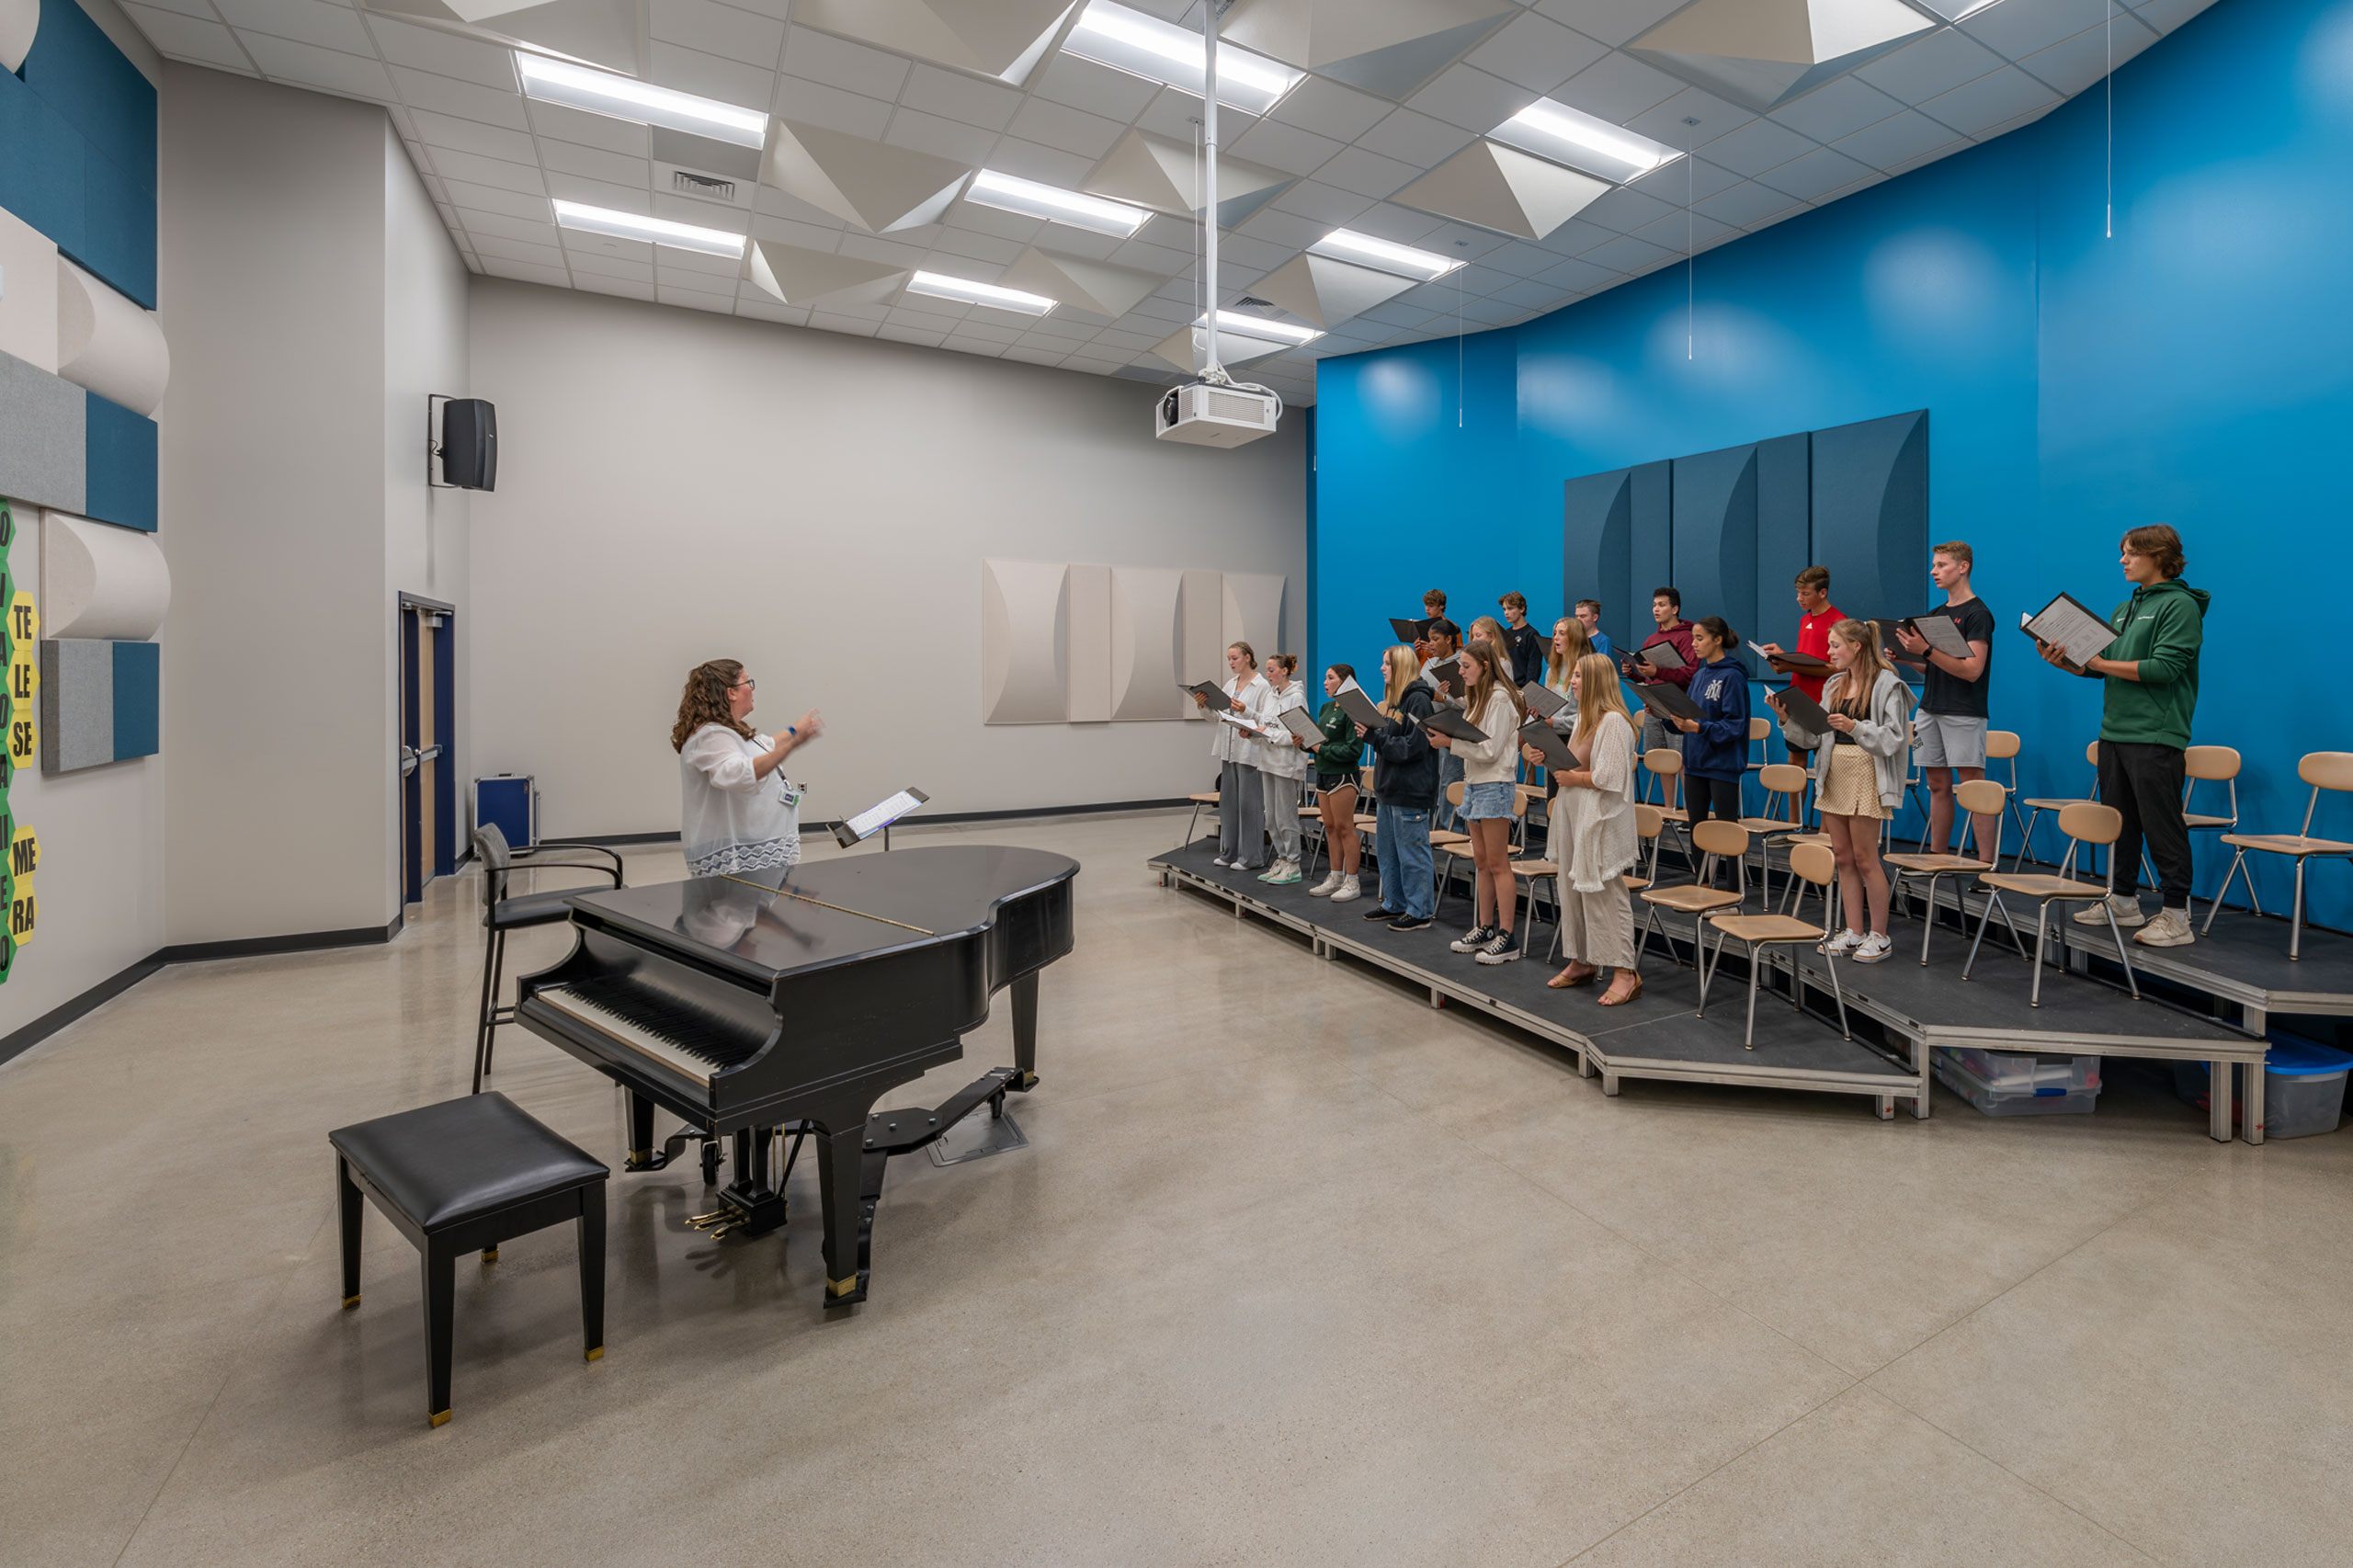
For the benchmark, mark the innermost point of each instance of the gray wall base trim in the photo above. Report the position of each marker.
(1091, 809)
(18, 1041)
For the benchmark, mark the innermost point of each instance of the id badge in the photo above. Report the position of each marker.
(789, 795)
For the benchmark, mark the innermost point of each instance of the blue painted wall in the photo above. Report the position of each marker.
(2196, 368)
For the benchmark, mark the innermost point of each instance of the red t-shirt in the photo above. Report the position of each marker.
(1814, 637)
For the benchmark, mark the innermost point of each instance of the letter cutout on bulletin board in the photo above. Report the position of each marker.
(19, 647)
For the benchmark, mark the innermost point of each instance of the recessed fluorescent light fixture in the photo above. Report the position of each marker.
(652, 231)
(1261, 328)
(1347, 244)
(1162, 51)
(1031, 200)
(1571, 136)
(939, 285)
(625, 97)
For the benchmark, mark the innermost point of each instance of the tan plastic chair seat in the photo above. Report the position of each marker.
(1635, 884)
(2199, 819)
(2287, 844)
(1671, 813)
(1207, 800)
(2037, 886)
(1691, 900)
(1936, 863)
(1534, 869)
(1765, 927)
(2055, 805)
(1767, 824)
(1442, 841)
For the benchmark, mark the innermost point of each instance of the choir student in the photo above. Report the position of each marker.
(1336, 789)
(1715, 745)
(1490, 770)
(1593, 841)
(1666, 613)
(1951, 728)
(1526, 643)
(1817, 616)
(1282, 764)
(1404, 784)
(1241, 798)
(1588, 614)
(1858, 776)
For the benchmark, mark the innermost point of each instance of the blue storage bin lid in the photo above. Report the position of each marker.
(2293, 1056)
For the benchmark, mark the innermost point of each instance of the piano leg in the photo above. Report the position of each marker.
(641, 1136)
(1024, 1032)
(850, 1212)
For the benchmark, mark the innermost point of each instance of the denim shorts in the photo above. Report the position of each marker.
(1482, 801)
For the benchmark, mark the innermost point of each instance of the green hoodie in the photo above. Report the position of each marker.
(2161, 625)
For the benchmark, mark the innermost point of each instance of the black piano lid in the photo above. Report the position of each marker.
(946, 890)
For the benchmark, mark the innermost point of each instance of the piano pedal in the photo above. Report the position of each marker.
(716, 1217)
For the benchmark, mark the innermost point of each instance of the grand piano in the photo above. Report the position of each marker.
(792, 999)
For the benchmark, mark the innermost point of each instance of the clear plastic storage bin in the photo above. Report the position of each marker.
(2022, 1083)
(2303, 1086)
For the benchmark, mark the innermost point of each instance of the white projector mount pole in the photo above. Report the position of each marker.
(1211, 370)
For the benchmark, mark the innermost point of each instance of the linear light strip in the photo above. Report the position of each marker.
(1554, 123)
(625, 97)
(652, 231)
(1386, 255)
(939, 285)
(1011, 194)
(1260, 328)
(1125, 40)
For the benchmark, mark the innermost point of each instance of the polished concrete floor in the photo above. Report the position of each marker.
(1295, 1270)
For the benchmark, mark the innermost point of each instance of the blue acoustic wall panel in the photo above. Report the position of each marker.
(138, 698)
(1596, 536)
(1715, 535)
(1871, 513)
(120, 470)
(1784, 534)
(1650, 559)
(78, 129)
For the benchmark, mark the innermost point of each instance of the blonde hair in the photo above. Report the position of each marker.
(1557, 666)
(1403, 667)
(1598, 694)
(1495, 674)
(1869, 666)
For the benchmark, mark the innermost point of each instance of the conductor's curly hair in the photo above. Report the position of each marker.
(704, 701)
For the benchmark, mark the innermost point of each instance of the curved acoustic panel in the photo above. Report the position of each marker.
(1596, 529)
(1086, 644)
(1201, 631)
(1021, 610)
(1145, 639)
(1871, 512)
(1715, 536)
(1254, 612)
(99, 582)
(19, 19)
(107, 343)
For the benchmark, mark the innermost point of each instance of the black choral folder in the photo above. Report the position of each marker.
(1449, 722)
(1669, 701)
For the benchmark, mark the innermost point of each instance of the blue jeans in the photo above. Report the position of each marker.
(1401, 842)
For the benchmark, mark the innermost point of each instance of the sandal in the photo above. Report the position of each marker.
(1608, 1001)
(1564, 981)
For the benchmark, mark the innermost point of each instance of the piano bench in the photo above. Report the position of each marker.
(463, 1176)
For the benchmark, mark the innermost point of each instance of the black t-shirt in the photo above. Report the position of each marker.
(1529, 647)
(1943, 693)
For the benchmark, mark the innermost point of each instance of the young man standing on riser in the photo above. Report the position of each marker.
(1949, 731)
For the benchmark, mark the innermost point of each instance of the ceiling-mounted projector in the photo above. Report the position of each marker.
(1207, 415)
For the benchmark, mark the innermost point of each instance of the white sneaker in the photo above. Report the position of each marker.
(1284, 872)
(1838, 947)
(1327, 886)
(1346, 892)
(2169, 929)
(1872, 949)
(2128, 912)
(1222, 860)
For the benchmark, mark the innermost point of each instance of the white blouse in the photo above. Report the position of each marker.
(1278, 753)
(1230, 744)
(730, 819)
(1593, 833)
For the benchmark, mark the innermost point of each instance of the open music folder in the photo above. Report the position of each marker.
(1408, 631)
(1791, 660)
(2070, 626)
(1296, 720)
(1544, 738)
(1660, 655)
(1541, 700)
(1358, 706)
(1211, 693)
(1797, 705)
(1449, 722)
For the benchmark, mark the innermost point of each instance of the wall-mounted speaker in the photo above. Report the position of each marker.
(469, 444)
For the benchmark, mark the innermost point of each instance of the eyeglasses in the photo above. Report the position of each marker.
(745, 686)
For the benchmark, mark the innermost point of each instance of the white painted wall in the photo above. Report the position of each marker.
(676, 487)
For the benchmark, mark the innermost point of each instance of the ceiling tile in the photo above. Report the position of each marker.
(1934, 63)
(1686, 179)
(1898, 140)
(1472, 99)
(628, 289)
(499, 223)
(986, 104)
(986, 248)
(1329, 110)
(1276, 226)
(1749, 206)
(695, 300)
(473, 136)
(1416, 138)
(1366, 173)
(717, 29)
(180, 36)
(1682, 233)
(1618, 88)
(1060, 126)
(1838, 108)
(918, 337)
(713, 77)
(1991, 100)
(1816, 174)
(769, 311)
(449, 56)
(998, 224)
(305, 21)
(445, 95)
(853, 114)
(497, 199)
(329, 70)
(1536, 52)
(595, 162)
(587, 261)
(526, 272)
(2167, 15)
(2018, 30)
(519, 250)
(553, 120)
(1098, 89)
(472, 167)
(1625, 211)
(637, 197)
(1047, 166)
(792, 232)
(2077, 62)
(579, 245)
(853, 67)
(1576, 276)
(951, 139)
(1757, 146)
(1671, 121)
(1178, 115)
(1285, 147)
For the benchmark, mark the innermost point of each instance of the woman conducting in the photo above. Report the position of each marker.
(737, 810)
(1593, 836)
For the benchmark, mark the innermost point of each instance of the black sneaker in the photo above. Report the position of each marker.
(1410, 923)
(1377, 914)
(1502, 947)
(1471, 941)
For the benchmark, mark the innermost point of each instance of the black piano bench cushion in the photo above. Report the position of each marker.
(442, 1164)
(533, 909)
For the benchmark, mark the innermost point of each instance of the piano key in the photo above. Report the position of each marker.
(626, 1031)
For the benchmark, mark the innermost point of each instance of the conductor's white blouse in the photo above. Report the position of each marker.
(729, 818)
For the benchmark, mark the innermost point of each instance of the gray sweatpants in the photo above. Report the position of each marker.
(1281, 799)
(1241, 816)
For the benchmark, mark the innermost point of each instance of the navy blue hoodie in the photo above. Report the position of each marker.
(1404, 764)
(1719, 749)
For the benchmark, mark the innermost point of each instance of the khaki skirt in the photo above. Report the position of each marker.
(1850, 788)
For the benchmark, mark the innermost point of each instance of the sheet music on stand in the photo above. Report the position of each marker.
(2068, 625)
(877, 818)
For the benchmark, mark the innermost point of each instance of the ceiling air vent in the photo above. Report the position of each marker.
(1252, 303)
(704, 186)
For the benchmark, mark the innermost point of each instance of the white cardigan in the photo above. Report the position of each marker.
(1495, 760)
(1230, 744)
(1277, 753)
(730, 819)
(1885, 736)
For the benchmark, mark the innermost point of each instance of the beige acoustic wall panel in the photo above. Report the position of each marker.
(1086, 644)
(1200, 630)
(29, 298)
(104, 342)
(99, 582)
(19, 19)
(1147, 643)
(1021, 676)
(1253, 612)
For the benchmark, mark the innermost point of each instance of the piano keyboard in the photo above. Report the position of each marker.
(678, 1037)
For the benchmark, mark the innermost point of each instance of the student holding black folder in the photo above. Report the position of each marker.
(1592, 839)
(1666, 611)
(1526, 643)
(2151, 671)
(1951, 728)
(1336, 789)
(1442, 640)
(1865, 711)
(1241, 798)
(1282, 765)
(1404, 785)
(1817, 616)
(1715, 745)
(1494, 705)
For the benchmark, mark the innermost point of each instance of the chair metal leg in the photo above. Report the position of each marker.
(1928, 919)
(1838, 994)
(2042, 935)
(2296, 923)
(482, 1021)
(2026, 841)
(1699, 939)
(1993, 902)
(498, 978)
(1748, 1036)
(1642, 938)
(2121, 957)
